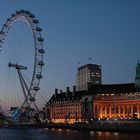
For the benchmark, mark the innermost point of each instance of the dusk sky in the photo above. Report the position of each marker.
(108, 31)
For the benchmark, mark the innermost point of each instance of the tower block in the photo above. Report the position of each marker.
(137, 78)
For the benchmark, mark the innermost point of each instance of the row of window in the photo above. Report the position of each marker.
(121, 109)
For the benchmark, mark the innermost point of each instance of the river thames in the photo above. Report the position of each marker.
(61, 134)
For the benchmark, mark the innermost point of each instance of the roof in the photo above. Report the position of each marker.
(113, 88)
(89, 66)
(94, 90)
(67, 96)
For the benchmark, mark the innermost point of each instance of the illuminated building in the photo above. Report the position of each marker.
(87, 75)
(65, 107)
(120, 101)
(100, 101)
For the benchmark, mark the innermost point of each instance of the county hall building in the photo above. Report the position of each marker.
(90, 99)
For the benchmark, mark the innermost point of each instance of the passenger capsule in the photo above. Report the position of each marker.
(39, 76)
(32, 16)
(22, 11)
(36, 88)
(38, 29)
(41, 51)
(41, 39)
(12, 15)
(5, 25)
(1, 32)
(8, 19)
(35, 21)
(18, 12)
(41, 63)
(27, 12)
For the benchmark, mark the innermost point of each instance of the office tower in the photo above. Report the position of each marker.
(89, 74)
(137, 77)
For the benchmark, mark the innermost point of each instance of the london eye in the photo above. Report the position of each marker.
(21, 62)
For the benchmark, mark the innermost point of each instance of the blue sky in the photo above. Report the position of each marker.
(108, 31)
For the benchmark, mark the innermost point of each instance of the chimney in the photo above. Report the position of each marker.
(74, 90)
(56, 92)
(67, 91)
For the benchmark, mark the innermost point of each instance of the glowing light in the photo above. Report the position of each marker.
(116, 133)
(91, 133)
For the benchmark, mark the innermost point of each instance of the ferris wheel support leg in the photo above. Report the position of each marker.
(23, 85)
(36, 107)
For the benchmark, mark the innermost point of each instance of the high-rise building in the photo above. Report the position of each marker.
(89, 74)
(137, 77)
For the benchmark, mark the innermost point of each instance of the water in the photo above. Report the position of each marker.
(61, 134)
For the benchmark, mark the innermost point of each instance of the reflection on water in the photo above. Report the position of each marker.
(62, 134)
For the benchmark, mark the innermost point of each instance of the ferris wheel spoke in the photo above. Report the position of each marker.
(10, 89)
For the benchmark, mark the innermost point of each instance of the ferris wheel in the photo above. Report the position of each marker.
(21, 61)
